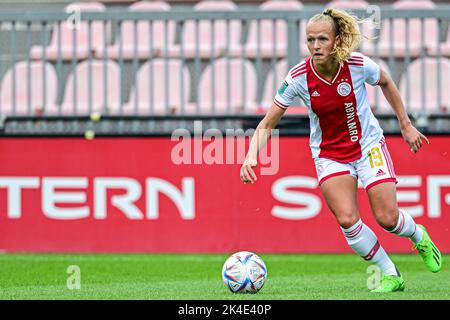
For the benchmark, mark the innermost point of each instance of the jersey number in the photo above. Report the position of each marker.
(375, 158)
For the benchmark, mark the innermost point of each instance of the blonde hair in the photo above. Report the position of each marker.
(346, 27)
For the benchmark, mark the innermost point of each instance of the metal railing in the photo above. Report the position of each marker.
(119, 74)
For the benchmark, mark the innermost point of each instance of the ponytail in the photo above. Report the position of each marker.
(346, 27)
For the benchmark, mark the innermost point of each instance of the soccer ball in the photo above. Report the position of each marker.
(244, 272)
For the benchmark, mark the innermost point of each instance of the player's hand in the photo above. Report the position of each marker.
(414, 138)
(247, 173)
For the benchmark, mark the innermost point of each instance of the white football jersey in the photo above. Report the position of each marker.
(341, 120)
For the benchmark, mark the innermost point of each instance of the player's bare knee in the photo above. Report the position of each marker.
(346, 220)
(387, 220)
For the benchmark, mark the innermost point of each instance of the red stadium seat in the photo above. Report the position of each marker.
(35, 90)
(273, 80)
(152, 89)
(413, 40)
(104, 85)
(150, 36)
(212, 36)
(220, 94)
(66, 34)
(266, 47)
(424, 87)
(444, 48)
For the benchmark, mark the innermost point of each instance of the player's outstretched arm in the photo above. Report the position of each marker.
(411, 135)
(259, 140)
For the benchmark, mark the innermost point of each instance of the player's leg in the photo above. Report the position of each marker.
(376, 172)
(339, 188)
(383, 202)
(399, 222)
(340, 195)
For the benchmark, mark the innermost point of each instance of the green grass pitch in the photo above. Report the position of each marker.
(198, 276)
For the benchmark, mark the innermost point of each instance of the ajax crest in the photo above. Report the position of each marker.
(344, 89)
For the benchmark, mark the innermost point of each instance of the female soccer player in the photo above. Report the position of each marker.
(347, 142)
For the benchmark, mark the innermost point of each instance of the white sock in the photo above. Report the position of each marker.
(365, 243)
(406, 227)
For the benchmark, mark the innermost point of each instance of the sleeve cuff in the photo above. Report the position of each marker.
(280, 105)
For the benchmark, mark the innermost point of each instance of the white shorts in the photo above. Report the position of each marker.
(374, 167)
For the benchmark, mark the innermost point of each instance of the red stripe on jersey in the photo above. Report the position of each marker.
(336, 107)
(355, 64)
(299, 73)
(301, 65)
(279, 104)
(297, 69)
(356, 58)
